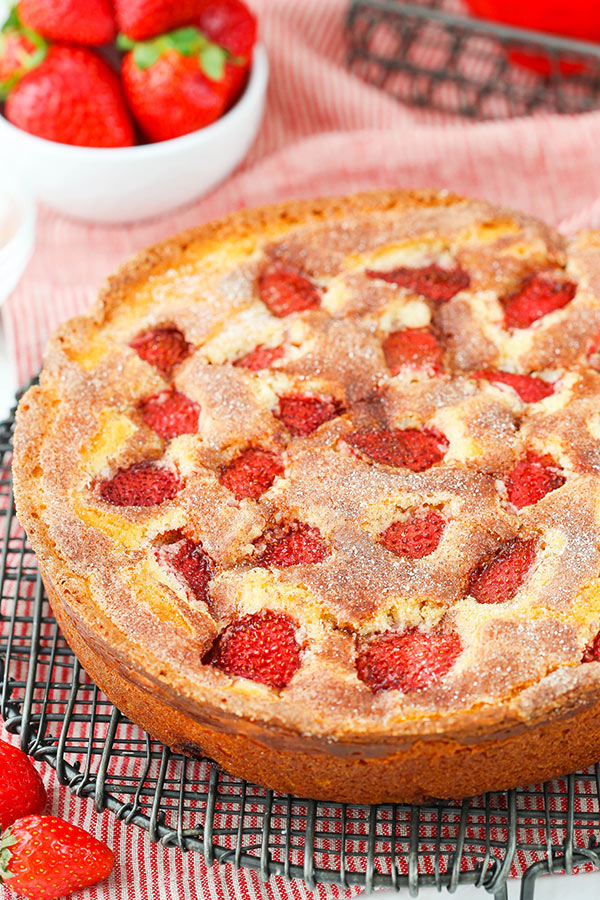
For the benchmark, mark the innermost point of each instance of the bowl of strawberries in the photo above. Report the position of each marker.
(120, 111)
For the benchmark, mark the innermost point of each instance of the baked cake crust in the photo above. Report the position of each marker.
(406, 493)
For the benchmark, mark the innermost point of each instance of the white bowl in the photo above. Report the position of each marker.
(125, 184)
(17, 228)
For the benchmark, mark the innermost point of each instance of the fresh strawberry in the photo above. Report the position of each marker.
(409, 660)
(144, 19)
(285, 290)
(416, 536)
(529, 388)
(251, 473)
(195, 566)
(302, 415)
(536, 297)
(432, 281)
(413, 349)
(16, 51)
(230, 24)
(592, 651)
(43, 857)
(533, 478)
(262, 647)
(498, 579)
(174, 83)
(170, 414)
(72, 97)
(163, 348)
(410, 448)
(142, 484)
(299, 544)
(22, 791)
(259, 358)
(70, 21)
(21, 50)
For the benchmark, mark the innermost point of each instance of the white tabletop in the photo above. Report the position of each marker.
(558, 887)
(8, 384)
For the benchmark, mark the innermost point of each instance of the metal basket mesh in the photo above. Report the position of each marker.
(63, 718)
(434, 55)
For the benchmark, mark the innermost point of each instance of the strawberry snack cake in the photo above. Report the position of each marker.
(314, 491)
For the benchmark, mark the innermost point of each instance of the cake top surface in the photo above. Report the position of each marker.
(333, 465)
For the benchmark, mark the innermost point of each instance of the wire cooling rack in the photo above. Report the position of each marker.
(431, 53)
(64, 719)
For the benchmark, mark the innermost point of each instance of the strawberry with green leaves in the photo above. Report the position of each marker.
(174, 83)
(90, 22)
(232, 25)
(44, 857)
(62, 93)
(21, 49)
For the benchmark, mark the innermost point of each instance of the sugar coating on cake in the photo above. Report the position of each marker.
(334, 466)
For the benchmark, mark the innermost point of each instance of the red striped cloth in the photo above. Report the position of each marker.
(325, 132)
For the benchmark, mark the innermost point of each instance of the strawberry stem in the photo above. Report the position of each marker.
(188, 41)
(6, 841)
(28, 60)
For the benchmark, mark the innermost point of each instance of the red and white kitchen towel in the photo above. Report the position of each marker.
(325, 132)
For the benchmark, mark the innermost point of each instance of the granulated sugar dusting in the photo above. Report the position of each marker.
(421, 532)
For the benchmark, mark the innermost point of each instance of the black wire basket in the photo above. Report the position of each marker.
(64, 719)
(432, 54)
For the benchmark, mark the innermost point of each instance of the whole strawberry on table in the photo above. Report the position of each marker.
(42, 856)
(182, 66)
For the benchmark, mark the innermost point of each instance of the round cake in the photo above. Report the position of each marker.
(315, 492)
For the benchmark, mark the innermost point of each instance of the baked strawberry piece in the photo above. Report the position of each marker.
(537, 297)
(532, 478)
(592, 651)
(284, 291)
(408, 661)
(262, 647)
(303, 415)
(529, 388)
(298, 544)
(259, 358)
(409, 447)
(170, 414)
(143, 484)
(416, 536)
(195, 566)
(163, 348)
(431, 281)
(498, 579)
(411, 348)
(252, 473)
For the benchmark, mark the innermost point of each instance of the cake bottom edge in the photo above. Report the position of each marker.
(423, 770)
